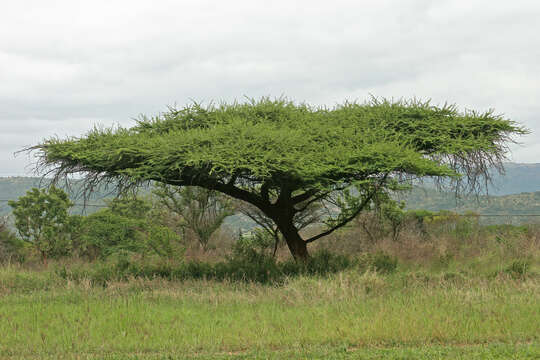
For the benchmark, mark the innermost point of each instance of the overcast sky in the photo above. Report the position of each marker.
(67, 65)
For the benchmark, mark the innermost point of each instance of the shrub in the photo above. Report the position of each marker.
(104, 233)
(11, 247)
(383, 262)
(164, 242)
(253, 245)
(518, 268)
(250, 260)
(260, 269)
(322, 262)
(127, 226)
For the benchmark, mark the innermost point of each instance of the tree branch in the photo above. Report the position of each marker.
(319, 197)
(304, 196)
(265, 187)
(227, 189)
(352, 216)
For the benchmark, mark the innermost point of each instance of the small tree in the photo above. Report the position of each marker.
(201, 211)
(281, 157)
(385, 217)
(42, 218)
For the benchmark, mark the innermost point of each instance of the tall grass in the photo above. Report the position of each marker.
(450, 244)
(453, 293)
(351, 309)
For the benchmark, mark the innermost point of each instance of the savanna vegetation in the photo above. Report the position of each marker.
(446, 287)
(162, 274)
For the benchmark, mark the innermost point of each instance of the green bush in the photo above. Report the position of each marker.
(506, 229)
(127, 226)
(253, 246)
(260, 269)
(321, 263)
(164, 242)
(104, 233)
(11, 247)
(518, 268)
(383, 263)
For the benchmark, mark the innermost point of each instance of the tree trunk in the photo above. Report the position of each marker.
(296, 244)
(44, 258)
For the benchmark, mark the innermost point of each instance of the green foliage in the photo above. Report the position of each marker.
(105, 232)
(321, 263)
(42, 220)
(164, 242)
(382, 262)
(14, 187)
(518, 268)
(245, 266)
(11, 247)
(130, 207)
(127, 226)
(221, 139)
(507, 229)
(388, 218)
(258, 242)
(393, 213)
(462, 226)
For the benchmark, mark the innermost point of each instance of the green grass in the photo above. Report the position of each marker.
(491, 351)
(405, 315)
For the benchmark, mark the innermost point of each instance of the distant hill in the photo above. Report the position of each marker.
(433, 200)
(516, 192)
(13, 187)
(515, 205)
(519, 178)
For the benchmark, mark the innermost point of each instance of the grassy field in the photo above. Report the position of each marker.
(457, 292)
(353, 314)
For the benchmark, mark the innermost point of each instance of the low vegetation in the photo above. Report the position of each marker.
(352, 313)
(420, 285)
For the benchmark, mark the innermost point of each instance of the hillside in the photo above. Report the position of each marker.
(516, 204)
(13, 187)
(518, 178)
(517, 192)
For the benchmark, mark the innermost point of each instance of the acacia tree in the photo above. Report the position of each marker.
(281, 157)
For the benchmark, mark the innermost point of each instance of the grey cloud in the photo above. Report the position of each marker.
(66, 65)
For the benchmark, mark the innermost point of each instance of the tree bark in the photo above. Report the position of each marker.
(297, 245)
